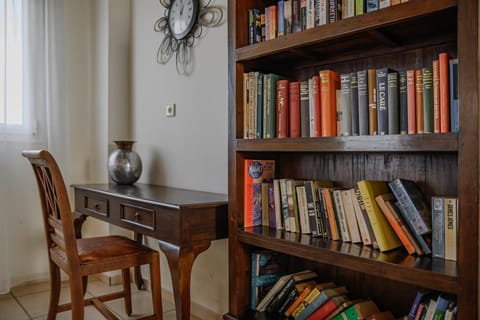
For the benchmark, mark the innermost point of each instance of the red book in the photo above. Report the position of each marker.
(294, 108)
(316, 116)
(411, 110)
(255, 172)
(327, 308)
(329, 83)
(436, 96)
(444, 94)
(282, 109)
(419, 101)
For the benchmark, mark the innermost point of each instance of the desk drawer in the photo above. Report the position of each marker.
(139, 216)
(96, 205)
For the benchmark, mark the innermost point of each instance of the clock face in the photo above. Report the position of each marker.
(182, 17)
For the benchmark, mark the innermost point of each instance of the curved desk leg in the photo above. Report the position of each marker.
(137, 273)
(78, 223)
(180, 260)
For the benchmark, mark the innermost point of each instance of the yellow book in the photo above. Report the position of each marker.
(386, 238)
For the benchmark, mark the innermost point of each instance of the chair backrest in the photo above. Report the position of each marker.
(57, 213)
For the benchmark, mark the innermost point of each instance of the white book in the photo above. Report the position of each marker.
(278, 203)
(451, 221)
(303, 210)
(384, 4)
(344, 232)
(310, 14)
(350, 215)
(362, 223)
(321, 12)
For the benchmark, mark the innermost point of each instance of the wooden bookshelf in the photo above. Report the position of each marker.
(406, 36)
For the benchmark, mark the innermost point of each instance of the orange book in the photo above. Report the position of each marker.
(444, 93)
(329, 83)
(411, 110)
(436, 96)
(294, 108)
(256, 172)
(297, 301)
(419, 101)
(328, 307)
(332, 221)
(282, 109)
(317, 124)
(381, 201)
(372, 101)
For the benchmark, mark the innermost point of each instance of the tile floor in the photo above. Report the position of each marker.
(31, 303)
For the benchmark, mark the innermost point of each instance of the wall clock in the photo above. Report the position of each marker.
(181, 24)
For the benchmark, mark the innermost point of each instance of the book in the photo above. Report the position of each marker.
(412, 200)
(411, 100)
(354, 102)
(393, 103)
(385, 236)
(444, 92)
(362, 99)
(427, 77)
(284, 202)
(315, 114)
(272, 293)
(360, 310)
(436, 95)
(255, 172)
(310, 14)
(365, 229)
(382, 101)
(327, 198)
(395, 221)
(341, 218)
(440, 308)
(438, 227)
(259, 104)
(319, 300)
(265, 203)
(311, 195)
(293, 204)
(329, 83)
(402, 102)
(314, 292)
(372, 5)
(296, 16)
(383, 4)
(334, 11)
(277, 204)
(269, 104)
(348, 8)
(359, 7)
(451, 228)
(321, 12)
(282, 109)
(345, 105)
(454, 94)
(303, 212)
(254, 34)
(328, 307)
(416, 303)
(350, 216)
(304, 114)
(372, 100)
(282, 295)
(280, 18)
(302, 295)
(420, 123)
(267, 267)
(287, 15)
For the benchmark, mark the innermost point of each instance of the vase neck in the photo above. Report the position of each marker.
(124, 144)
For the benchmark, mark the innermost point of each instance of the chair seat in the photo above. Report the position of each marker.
(100, 248)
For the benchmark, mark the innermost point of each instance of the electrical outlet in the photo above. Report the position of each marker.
(170, 110)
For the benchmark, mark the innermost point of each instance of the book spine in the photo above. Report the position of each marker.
(280, 18)
(345, 105)
(419, 101)
(277, 204)
(372, 101)
(296, 26)
(427, 77)
(264, 212)
(312, 212)
(350, 215)
(259, 94)
(253, 285)
(284, 201)
(310, 14)
(323, 12)
(444, 92)
(341, 217)
(273, 22)
(382, 101)
(451, 220)
(282, 295)
(372, 5)
(329, 83)
(287, 16)
(246, 114)
(402, 99)
(438, 227)
(334, 11)
(436, 97)
(282, 109)
(252, 105)
(361, 217)
(316, 114)
(303, 213)
(304, 115)
(393, 103)
(411, 99)
(303, 14)
(272, 217)
(359, 7)
(328, 201)
(251, 26)
(384, 4)
(362, 102)
(354, 103)
(269, 105)
(454, 104)
(262, 26)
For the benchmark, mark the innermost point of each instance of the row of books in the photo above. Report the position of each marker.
(299, 295)
(432, 305)
(366, 102)
(384, 214)
(289, 16)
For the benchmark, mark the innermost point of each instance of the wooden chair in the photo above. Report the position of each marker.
(79, 258)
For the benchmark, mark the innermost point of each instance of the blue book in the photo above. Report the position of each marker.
(440, 308)
(280, 18)
(454, 111)
(372, 5)
(415, 304)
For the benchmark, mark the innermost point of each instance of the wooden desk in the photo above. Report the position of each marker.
(184, 222)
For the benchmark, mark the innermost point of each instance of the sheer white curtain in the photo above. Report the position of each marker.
(29, 81)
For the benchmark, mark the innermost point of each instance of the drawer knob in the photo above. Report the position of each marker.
(97, 207)
(137, 216)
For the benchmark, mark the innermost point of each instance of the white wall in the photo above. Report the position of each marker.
(190, 150)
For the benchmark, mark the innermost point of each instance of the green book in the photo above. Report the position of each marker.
(428, 99)
(269, 96)
(359, 7)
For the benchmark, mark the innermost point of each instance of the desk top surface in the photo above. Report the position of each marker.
(157, 195)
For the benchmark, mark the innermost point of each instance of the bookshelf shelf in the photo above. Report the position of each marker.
(391, 143)
(402, 37)
(438, 274)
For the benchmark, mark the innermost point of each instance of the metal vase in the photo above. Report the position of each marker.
(124, 164)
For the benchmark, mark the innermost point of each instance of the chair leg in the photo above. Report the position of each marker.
(54, 291)
(127, 290)
(76, 296)
(156, 286)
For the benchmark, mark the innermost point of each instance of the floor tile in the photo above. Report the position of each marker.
(10, 310)
(34, 288)
(90, 313)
